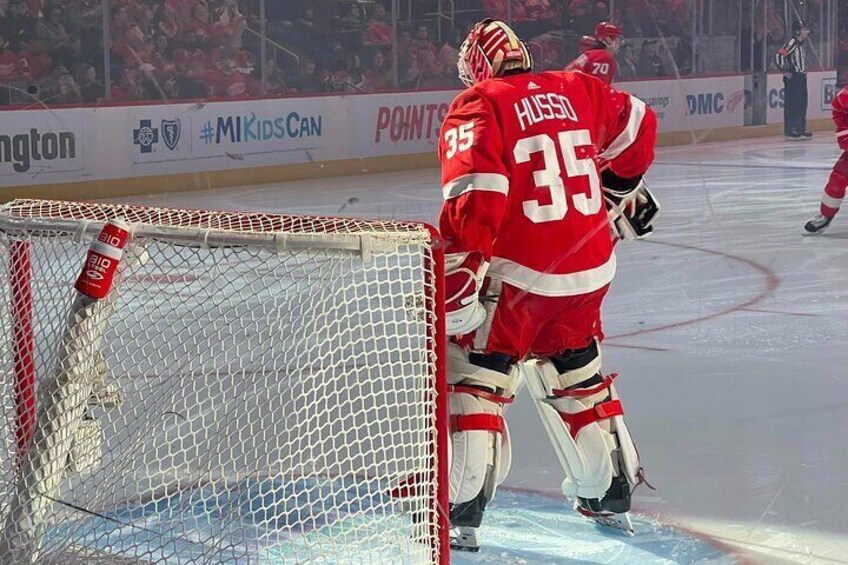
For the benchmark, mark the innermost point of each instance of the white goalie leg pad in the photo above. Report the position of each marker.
(87, 448)
(585, 425)
(480, 451)
(105, 392)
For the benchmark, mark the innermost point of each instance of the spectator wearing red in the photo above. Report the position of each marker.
(230, 21)
(199, 26)
(33, 64)
(379, 28)
(425, 52)
(183, 8)
(198, 63)
(169, 22)
(9, 71)
(534, 10)
(132, 48)
(377, 75)
(227, 80)
(188, 62)
(128, 87)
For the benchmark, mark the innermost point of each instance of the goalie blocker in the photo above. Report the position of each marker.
(631, 207)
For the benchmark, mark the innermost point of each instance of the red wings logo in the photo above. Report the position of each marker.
(735, 99)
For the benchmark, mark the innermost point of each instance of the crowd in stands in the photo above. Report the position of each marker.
(189, 49)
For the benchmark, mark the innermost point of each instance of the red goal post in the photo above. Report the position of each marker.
(252, 385)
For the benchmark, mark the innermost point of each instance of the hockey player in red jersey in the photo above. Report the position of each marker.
(529, 261)
(598, 59)
(834, 191)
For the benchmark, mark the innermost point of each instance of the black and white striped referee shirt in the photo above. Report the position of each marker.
(791, 58)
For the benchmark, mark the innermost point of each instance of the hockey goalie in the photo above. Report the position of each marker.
(527, 219)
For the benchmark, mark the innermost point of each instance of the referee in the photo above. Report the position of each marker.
(791, 60)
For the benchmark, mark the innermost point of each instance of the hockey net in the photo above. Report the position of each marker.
(255, 388)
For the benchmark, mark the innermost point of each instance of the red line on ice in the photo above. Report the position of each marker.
(771, 278)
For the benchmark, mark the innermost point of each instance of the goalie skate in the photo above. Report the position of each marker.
(464, 538)
(620, 522)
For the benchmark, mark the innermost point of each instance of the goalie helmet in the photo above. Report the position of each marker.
(607, 32)
(490, 50)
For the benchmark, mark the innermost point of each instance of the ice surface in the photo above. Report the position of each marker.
(729, 331)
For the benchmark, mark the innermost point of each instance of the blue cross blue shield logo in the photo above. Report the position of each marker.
(146, 136)
(171, 131)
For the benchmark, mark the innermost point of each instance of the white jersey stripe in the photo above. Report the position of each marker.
(486, 182)
(842, 133)
(627, 137)
(546, 284)
(830, 201)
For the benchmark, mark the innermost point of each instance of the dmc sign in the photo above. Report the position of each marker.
(713, 103)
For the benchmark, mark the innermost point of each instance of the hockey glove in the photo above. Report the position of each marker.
(631, 208)
(464, 274)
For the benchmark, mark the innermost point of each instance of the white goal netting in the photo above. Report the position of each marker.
(251, 391)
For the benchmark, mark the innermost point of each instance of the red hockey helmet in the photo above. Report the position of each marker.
(491, 49)
(589, 42)
(607, 32)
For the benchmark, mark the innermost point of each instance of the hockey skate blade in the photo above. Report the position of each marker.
(806, 233)
(466, 548)
(618, 522)
(464, 539)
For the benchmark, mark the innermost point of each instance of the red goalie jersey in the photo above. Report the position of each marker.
(840, 117)
(520, 176)
(595, 62)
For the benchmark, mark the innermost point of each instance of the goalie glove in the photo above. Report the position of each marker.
(464, 274)
(631, 208)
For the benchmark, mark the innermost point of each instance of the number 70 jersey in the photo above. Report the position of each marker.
(521, 159)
